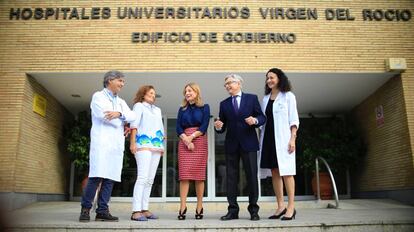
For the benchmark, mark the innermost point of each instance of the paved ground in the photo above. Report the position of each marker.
(309, 214)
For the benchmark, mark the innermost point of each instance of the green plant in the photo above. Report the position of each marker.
(78, 140)
(336, 139)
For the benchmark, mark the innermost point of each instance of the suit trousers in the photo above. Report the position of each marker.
(232, 170)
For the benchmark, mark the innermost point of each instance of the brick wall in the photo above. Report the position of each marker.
(11, 107)
(389, 163)
(41, 163)
(99, 45)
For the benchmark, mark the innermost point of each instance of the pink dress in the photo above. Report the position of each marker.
(192, 164)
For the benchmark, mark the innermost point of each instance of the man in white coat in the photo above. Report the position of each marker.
(109, 113)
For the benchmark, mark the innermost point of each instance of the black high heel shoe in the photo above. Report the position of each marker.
(284, 218)
(181, 215)
(199, 215)
(277, 216)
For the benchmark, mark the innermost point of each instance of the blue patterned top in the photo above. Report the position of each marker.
(150, 128)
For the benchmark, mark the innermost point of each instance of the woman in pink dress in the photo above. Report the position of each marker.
(192, 123)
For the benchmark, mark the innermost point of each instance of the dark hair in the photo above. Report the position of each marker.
(139, 96)
(284, 83)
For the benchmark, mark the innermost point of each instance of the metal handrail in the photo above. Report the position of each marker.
(333, 182)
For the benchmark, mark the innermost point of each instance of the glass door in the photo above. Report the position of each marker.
(220, 171)
(215, 189)
(215, 184)
(167, 186)
(171, 171)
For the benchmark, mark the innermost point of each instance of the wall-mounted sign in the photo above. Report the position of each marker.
(197, 12)
(39, 104)
(210, 13)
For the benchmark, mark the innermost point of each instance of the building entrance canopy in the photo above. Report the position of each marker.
(316, 93)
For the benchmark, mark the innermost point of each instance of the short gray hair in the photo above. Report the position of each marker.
(113, 74)
(234, 76)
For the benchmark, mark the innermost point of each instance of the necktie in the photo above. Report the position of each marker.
(235, 105)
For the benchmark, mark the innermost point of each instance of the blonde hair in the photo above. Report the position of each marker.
(196, 89)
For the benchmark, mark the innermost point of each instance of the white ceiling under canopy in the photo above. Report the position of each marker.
(316, 93)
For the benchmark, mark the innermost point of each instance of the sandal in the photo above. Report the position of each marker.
(140, 218)
(181, 215)
(199, 215)
(150, 216)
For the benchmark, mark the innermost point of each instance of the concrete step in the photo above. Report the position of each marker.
(354, 215)
(222, 206)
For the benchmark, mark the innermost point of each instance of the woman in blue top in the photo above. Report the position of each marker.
(192, 123)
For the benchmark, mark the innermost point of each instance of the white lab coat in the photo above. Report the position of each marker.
(107, 137)
(285, 115)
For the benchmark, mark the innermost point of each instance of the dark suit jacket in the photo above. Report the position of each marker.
(239, 133)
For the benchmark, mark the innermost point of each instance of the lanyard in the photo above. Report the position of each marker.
(114, 100)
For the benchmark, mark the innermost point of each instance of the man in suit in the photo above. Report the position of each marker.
(240, 114)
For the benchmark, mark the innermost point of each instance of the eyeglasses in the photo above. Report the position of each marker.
(229, 82)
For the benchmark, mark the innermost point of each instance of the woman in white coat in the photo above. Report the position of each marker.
(278, 139)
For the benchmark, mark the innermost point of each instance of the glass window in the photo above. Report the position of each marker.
(220, 169)
(173, 184)
(125, 188)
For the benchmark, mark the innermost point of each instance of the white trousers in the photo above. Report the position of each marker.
(147, 164)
